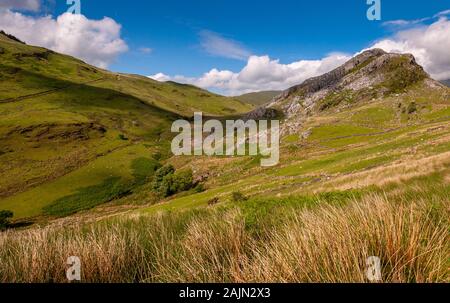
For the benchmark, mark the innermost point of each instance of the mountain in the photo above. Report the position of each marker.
(258, 98)
(370, 77)
(40, 70)
(72, 125)
(446, 82)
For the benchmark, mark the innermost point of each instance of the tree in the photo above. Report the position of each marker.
(167, 182)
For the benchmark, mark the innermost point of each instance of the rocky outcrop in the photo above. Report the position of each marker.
(369, 75)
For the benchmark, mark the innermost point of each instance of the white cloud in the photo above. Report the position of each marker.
(160, 77)
(96, 41)
(145, 50)
(217, 45)
(429, 44)
(442, 14)
(404, 23)
(260, 73)
(29, 5)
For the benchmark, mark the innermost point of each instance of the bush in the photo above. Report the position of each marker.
(123, 137)
(412, 108)
(213, 201)
(238, 197)
(5, 215)
(167, 182)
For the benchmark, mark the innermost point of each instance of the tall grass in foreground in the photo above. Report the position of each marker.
(322, 244)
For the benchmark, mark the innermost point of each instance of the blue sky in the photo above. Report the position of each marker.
(190, 38)
(285, 29)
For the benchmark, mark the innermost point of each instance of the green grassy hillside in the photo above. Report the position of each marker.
(30, 70)
(258, 98)
(66, 125)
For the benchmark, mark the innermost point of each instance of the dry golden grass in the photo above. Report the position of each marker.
(323, 244)
(397, 172)
(333, 244)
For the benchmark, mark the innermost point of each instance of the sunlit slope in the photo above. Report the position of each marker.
(29, 70)
(391, 141)
(60, 117)
(258, 98)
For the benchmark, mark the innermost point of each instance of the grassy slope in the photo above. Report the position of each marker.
(343, 151)
(258, 98)
(23, 67)
(71, 136)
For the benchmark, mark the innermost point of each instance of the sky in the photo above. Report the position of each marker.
(232, 47)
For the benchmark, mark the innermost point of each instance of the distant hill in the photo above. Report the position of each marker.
(258, 98)
(43, 69)
(73, 125)
(446, 82)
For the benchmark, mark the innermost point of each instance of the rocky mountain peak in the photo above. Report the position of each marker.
(370, 75)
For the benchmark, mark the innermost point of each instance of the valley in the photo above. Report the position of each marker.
(86, 169)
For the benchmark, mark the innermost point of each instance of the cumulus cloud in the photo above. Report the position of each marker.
(260, 73)
(402, 23)
(28, 5)
(430, 44)
(217, 45)
(97, 42)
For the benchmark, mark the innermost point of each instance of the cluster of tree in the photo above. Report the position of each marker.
(168, 182)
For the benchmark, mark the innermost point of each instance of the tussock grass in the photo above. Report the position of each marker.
(326, 243)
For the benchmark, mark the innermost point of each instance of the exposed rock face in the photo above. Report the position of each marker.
(266, 113)
(332, 78)
(370, 75)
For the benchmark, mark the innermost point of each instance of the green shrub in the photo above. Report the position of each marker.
(162, 172)
(5, 215)
(123, 137)
(238, 197)
(167, 182)
(412, 108)
(213, 201)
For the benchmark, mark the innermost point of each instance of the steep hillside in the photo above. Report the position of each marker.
(66, 125)
(378, 121)
(28, 70)
(258, 98)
